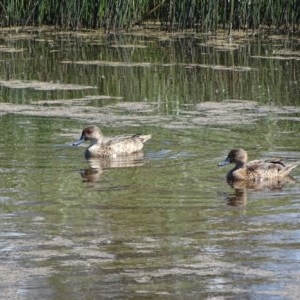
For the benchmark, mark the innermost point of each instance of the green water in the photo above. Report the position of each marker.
(168, 226)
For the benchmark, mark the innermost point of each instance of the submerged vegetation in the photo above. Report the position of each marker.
(199, 15)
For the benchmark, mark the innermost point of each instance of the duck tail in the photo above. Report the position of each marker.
(288, 169)
(143, 138)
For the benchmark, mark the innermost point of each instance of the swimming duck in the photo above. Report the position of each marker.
(119, 145)
(255, 169)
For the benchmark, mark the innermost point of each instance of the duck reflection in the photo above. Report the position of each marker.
(239, 197)
(90, 174)
(98, 165)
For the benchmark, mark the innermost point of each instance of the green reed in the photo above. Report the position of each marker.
(200, 15)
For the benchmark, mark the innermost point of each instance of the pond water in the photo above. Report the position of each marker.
(165, 225)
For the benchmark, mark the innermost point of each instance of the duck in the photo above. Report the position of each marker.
(110, 148)
(255, 170)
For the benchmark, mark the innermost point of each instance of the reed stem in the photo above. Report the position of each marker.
(200, 15)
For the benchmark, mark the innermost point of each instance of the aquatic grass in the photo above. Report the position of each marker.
(173, 72)
(42, 86)
(198, 15)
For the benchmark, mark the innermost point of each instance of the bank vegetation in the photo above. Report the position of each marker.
(198, 15)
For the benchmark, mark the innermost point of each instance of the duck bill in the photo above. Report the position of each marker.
(78, 142)
(224, 162)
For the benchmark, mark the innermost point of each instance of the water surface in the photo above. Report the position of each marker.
(167, 225)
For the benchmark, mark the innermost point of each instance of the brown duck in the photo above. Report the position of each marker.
(116, 146)
(255, 169)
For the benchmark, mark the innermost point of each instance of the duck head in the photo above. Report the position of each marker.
(91, 133)
(237, 156)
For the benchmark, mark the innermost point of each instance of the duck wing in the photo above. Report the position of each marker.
(271, 168)
(125, 145)
(117, 139)
(136, 138)
(262, 164)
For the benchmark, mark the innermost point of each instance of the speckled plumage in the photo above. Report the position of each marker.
(255, 169)
(120, 145)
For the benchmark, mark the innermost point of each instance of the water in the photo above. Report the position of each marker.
(165, 225)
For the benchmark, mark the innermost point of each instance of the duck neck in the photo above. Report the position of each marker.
(96, 141)
(240, 164)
